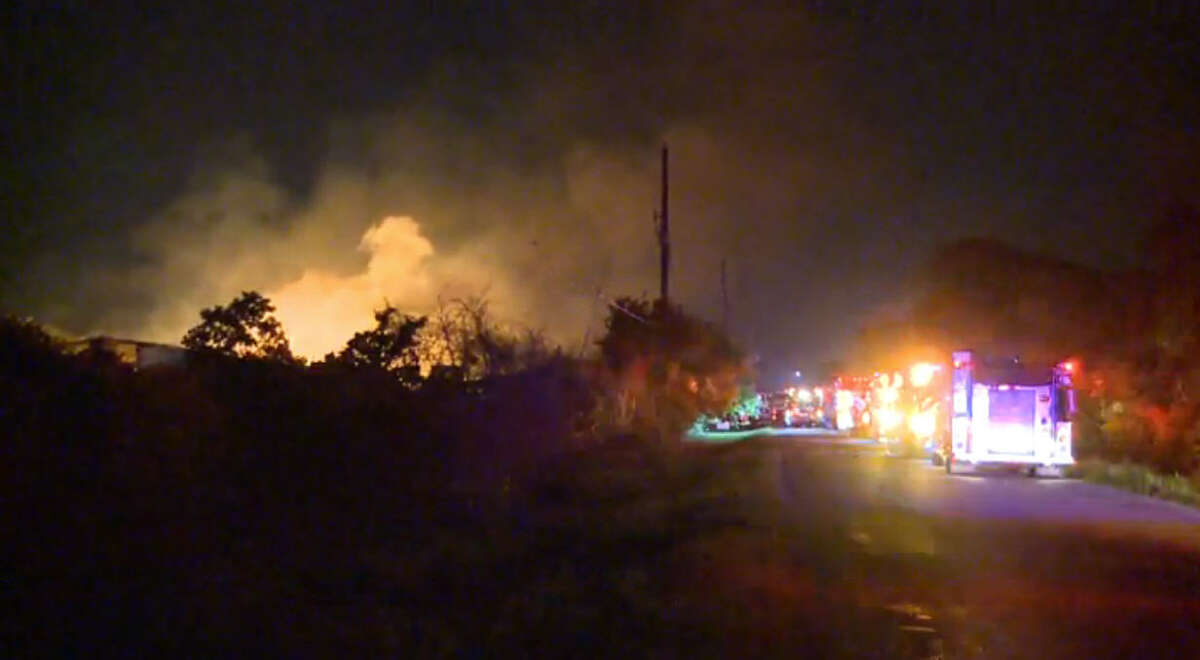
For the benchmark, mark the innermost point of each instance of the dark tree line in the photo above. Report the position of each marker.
(661, 367)
(238, 503)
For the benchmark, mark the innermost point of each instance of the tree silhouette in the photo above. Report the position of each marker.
(464, 341)
(247, 327)
(671, 367)
(391, 346)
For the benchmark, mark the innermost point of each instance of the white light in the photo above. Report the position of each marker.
(923, 423)
(889, 418)
(921, 374)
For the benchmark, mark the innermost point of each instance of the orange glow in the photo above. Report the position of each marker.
(921, 374)
(320, 311)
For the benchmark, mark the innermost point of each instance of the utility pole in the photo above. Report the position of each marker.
(724, 300)
(664, 237)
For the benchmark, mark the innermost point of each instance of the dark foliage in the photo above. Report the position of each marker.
(247, 327)
(390, 347)
(464, 342)
(668, 367)
(229, 506)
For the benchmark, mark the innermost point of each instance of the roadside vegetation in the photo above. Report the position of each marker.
(1139, 479)
(441, 485)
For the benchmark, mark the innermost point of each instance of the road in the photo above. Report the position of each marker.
(993, 565)
(997, 494)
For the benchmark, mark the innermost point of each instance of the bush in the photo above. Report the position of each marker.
(666, 367)
(191, 498)
(1128, 432)
(1089, 440)
(203, 500)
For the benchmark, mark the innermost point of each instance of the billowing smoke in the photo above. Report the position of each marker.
(815, 162)
(544, 207)
(324, 308)
(546, 255)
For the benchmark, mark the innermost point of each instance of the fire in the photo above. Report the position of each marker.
(321, 310)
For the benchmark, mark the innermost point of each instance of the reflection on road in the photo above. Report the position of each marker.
(977, 566)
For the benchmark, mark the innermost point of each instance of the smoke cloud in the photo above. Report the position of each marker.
(802, 156)
(545, 254)
(544, 206)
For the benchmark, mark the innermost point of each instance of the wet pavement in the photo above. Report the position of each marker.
(986, 565)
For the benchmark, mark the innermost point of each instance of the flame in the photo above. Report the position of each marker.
(321, 310)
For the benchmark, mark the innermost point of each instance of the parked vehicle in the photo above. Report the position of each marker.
(1009, 413)
(846, 404)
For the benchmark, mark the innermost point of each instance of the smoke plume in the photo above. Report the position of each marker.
(808, 154)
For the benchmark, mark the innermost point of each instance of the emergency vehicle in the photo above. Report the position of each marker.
(778, 405)
(845, 403)
(910, 409)
(806, 407)
(1009, 413)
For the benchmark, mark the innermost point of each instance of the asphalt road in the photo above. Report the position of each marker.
(995, 494)
(990, 565)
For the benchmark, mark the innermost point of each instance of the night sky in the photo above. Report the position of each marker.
(159, 161)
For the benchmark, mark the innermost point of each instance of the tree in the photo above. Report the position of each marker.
(463, 341)
(247, 327)
(996, 298)
(669, 367)
(1168, 360)
(391, 346)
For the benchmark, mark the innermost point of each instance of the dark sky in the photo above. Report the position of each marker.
(158, 161)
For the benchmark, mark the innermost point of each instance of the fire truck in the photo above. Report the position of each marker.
(778, 404)
(910, 409)
(1008, 413)
(845, 404)
(797, 407)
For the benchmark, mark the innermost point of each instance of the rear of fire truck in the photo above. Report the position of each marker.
(846, 403)
(806, 407)
(1009, 413)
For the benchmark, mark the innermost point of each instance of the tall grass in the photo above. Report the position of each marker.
(1140, 479)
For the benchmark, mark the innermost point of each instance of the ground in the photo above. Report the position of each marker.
(898, 559)
(774, 545)
(757, 545)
